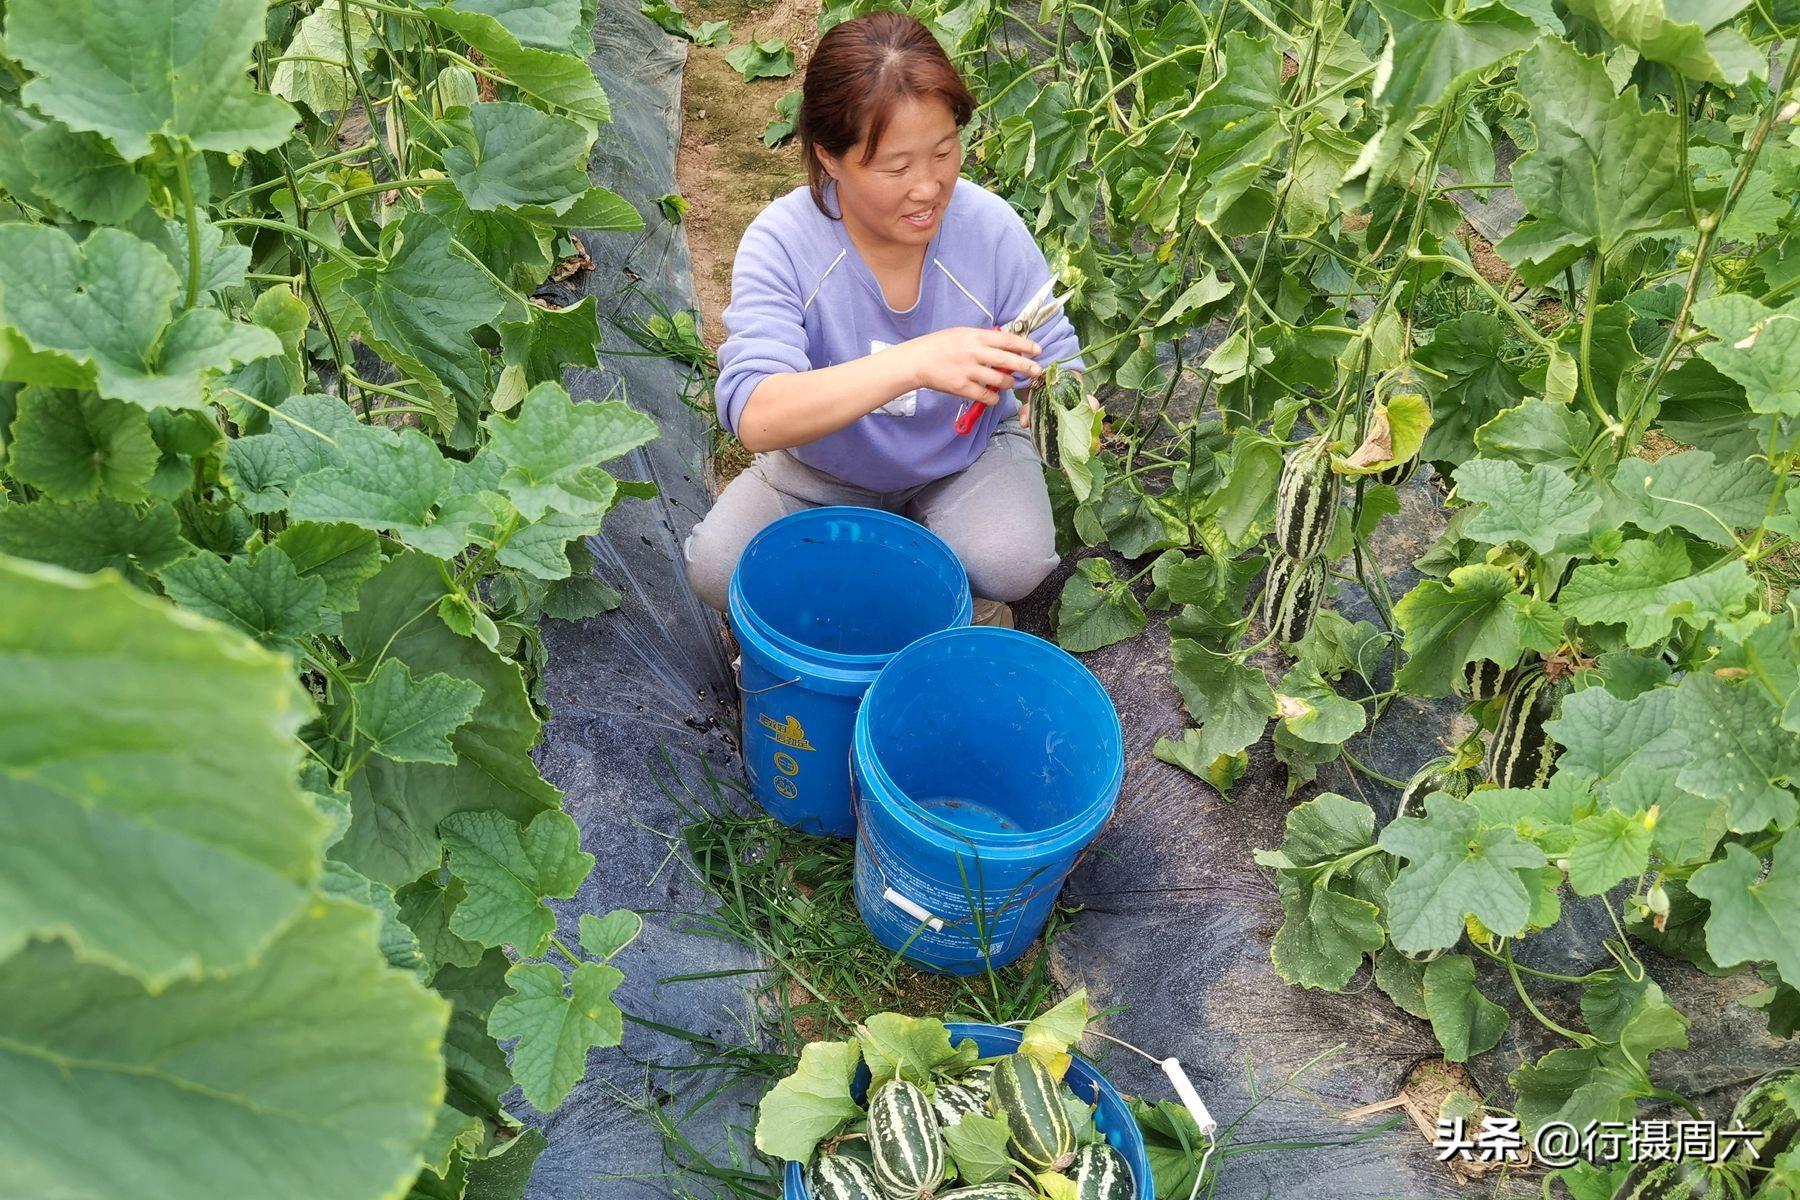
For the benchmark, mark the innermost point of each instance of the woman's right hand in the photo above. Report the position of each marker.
(975, 364)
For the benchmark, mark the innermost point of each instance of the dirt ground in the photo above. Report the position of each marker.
(722, 165)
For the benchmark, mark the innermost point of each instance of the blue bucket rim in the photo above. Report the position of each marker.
(1133, 1151)
(1069, 835)
(831, 662)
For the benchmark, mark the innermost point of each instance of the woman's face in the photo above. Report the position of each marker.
(899, 195)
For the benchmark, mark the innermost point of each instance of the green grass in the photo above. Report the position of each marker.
(789, 898)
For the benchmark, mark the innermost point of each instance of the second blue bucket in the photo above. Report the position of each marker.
(820, 601)
(985, 761)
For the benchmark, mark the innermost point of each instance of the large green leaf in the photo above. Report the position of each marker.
(395, 483)
(1758, 347)
(147, 780)
(76, 445)
(262, 594)
(1479, 613)
(1455, 867)
(341, 557)
(101, 314)
(557, 1021)
(810, 1104)
(1609, 847)
(551, 339)
(553, 448)
(1691, 492)
(1466, 1022)
(509, 871)
(1692, 36)
(411, 720)
(475, 1068)
(514, 157)
(1603, 171)
(84, 174)
(397, 807)
(339, 34)
(1330, 918)
(1737, 750)
(1752, 915)
(1439, 43)
(1602, 734)
(1231, 701)
(1649, 587)
(549, 79)
(1539, 506)
(314, 1072)
(178, 68)
(895, 1045)
(1236, 122)
(93, 535)
(1096, 609)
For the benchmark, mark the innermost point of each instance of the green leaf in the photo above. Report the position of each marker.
(553, 448)
(101, 314)
(260, 594)
(1689, 491)
(476, 1073)
(550, 340)
(899, 1046)
(548, 24)
(1050, 1034)
(1713, 52)
(977, 1144)
(84, 174)
(339, 33)
(1648, 588)
(506, 1173)
(1758, 346)
(1688, 827)
(1602, 734)
(1479, 382)
(218, 1070)
(767, 59)
(1537, 433)
(76, 445)
(1578, 1085)
(1403, 979)
(1609, 847)
(1327, 929)
(1465, 1022)
(1752, 917)
(1480, 613)
(396, 483)
(1231, 701)
(1455, 868)
(342, 557)
(511, 156)
(786, 120)
(605, 937)
(1174, 1145)
(1603, 172)
(426, 907)
(1095, 609)
(131, 834)
(1436, 46)
(806, 1107)
(1313, 711)
(1635, 1015)
(557, 1021)
(175, 68)
(424, 299)
(396, 807)
(1539, 506)
(547, 78)
(411, 720)
(510, 871)
(1236, 127)
(93, 535)
(1737, 751)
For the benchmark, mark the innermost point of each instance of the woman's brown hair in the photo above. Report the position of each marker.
(858, 73)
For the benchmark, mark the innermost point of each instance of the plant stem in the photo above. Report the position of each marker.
(1580, 1039)
(191, 216)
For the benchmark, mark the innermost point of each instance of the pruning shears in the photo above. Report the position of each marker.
(1039, 309)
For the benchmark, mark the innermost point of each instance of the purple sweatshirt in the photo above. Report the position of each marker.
(803, 298)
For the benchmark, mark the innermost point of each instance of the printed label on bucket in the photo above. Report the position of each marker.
(788, 733)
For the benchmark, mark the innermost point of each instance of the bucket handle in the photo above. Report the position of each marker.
(1186, 1093)
(913, 909)
(737, 674)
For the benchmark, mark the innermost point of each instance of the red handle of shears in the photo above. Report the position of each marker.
(968, 417)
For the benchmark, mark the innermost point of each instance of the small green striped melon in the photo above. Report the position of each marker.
(904, 1142)
(1523, 754)
(1306, 500)
(1031, 1100)
(999, 1190)
(953, 1102)
(1100, 1173)
(839, 1177)
(1291, 596)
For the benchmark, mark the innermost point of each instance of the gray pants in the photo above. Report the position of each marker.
(995, 514)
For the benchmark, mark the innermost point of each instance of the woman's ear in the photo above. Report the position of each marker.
(829, 162)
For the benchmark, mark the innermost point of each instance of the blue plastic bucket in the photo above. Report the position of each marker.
(984, 762)
(1112, 1117)
(820, 601)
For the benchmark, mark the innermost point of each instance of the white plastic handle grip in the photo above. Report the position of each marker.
(1185, 1089)
(913, 910)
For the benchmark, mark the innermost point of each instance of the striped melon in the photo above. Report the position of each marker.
(1101, 1174)
(904, 1141)
(978, 1081)
(1482, 679)
(1441, 774)
(991, 1191)
(1523, 754)
(1291, 596)
(1031, 1100)
(837, 1177)
(1306, 500)
(1399, 473)
(953, 1102)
